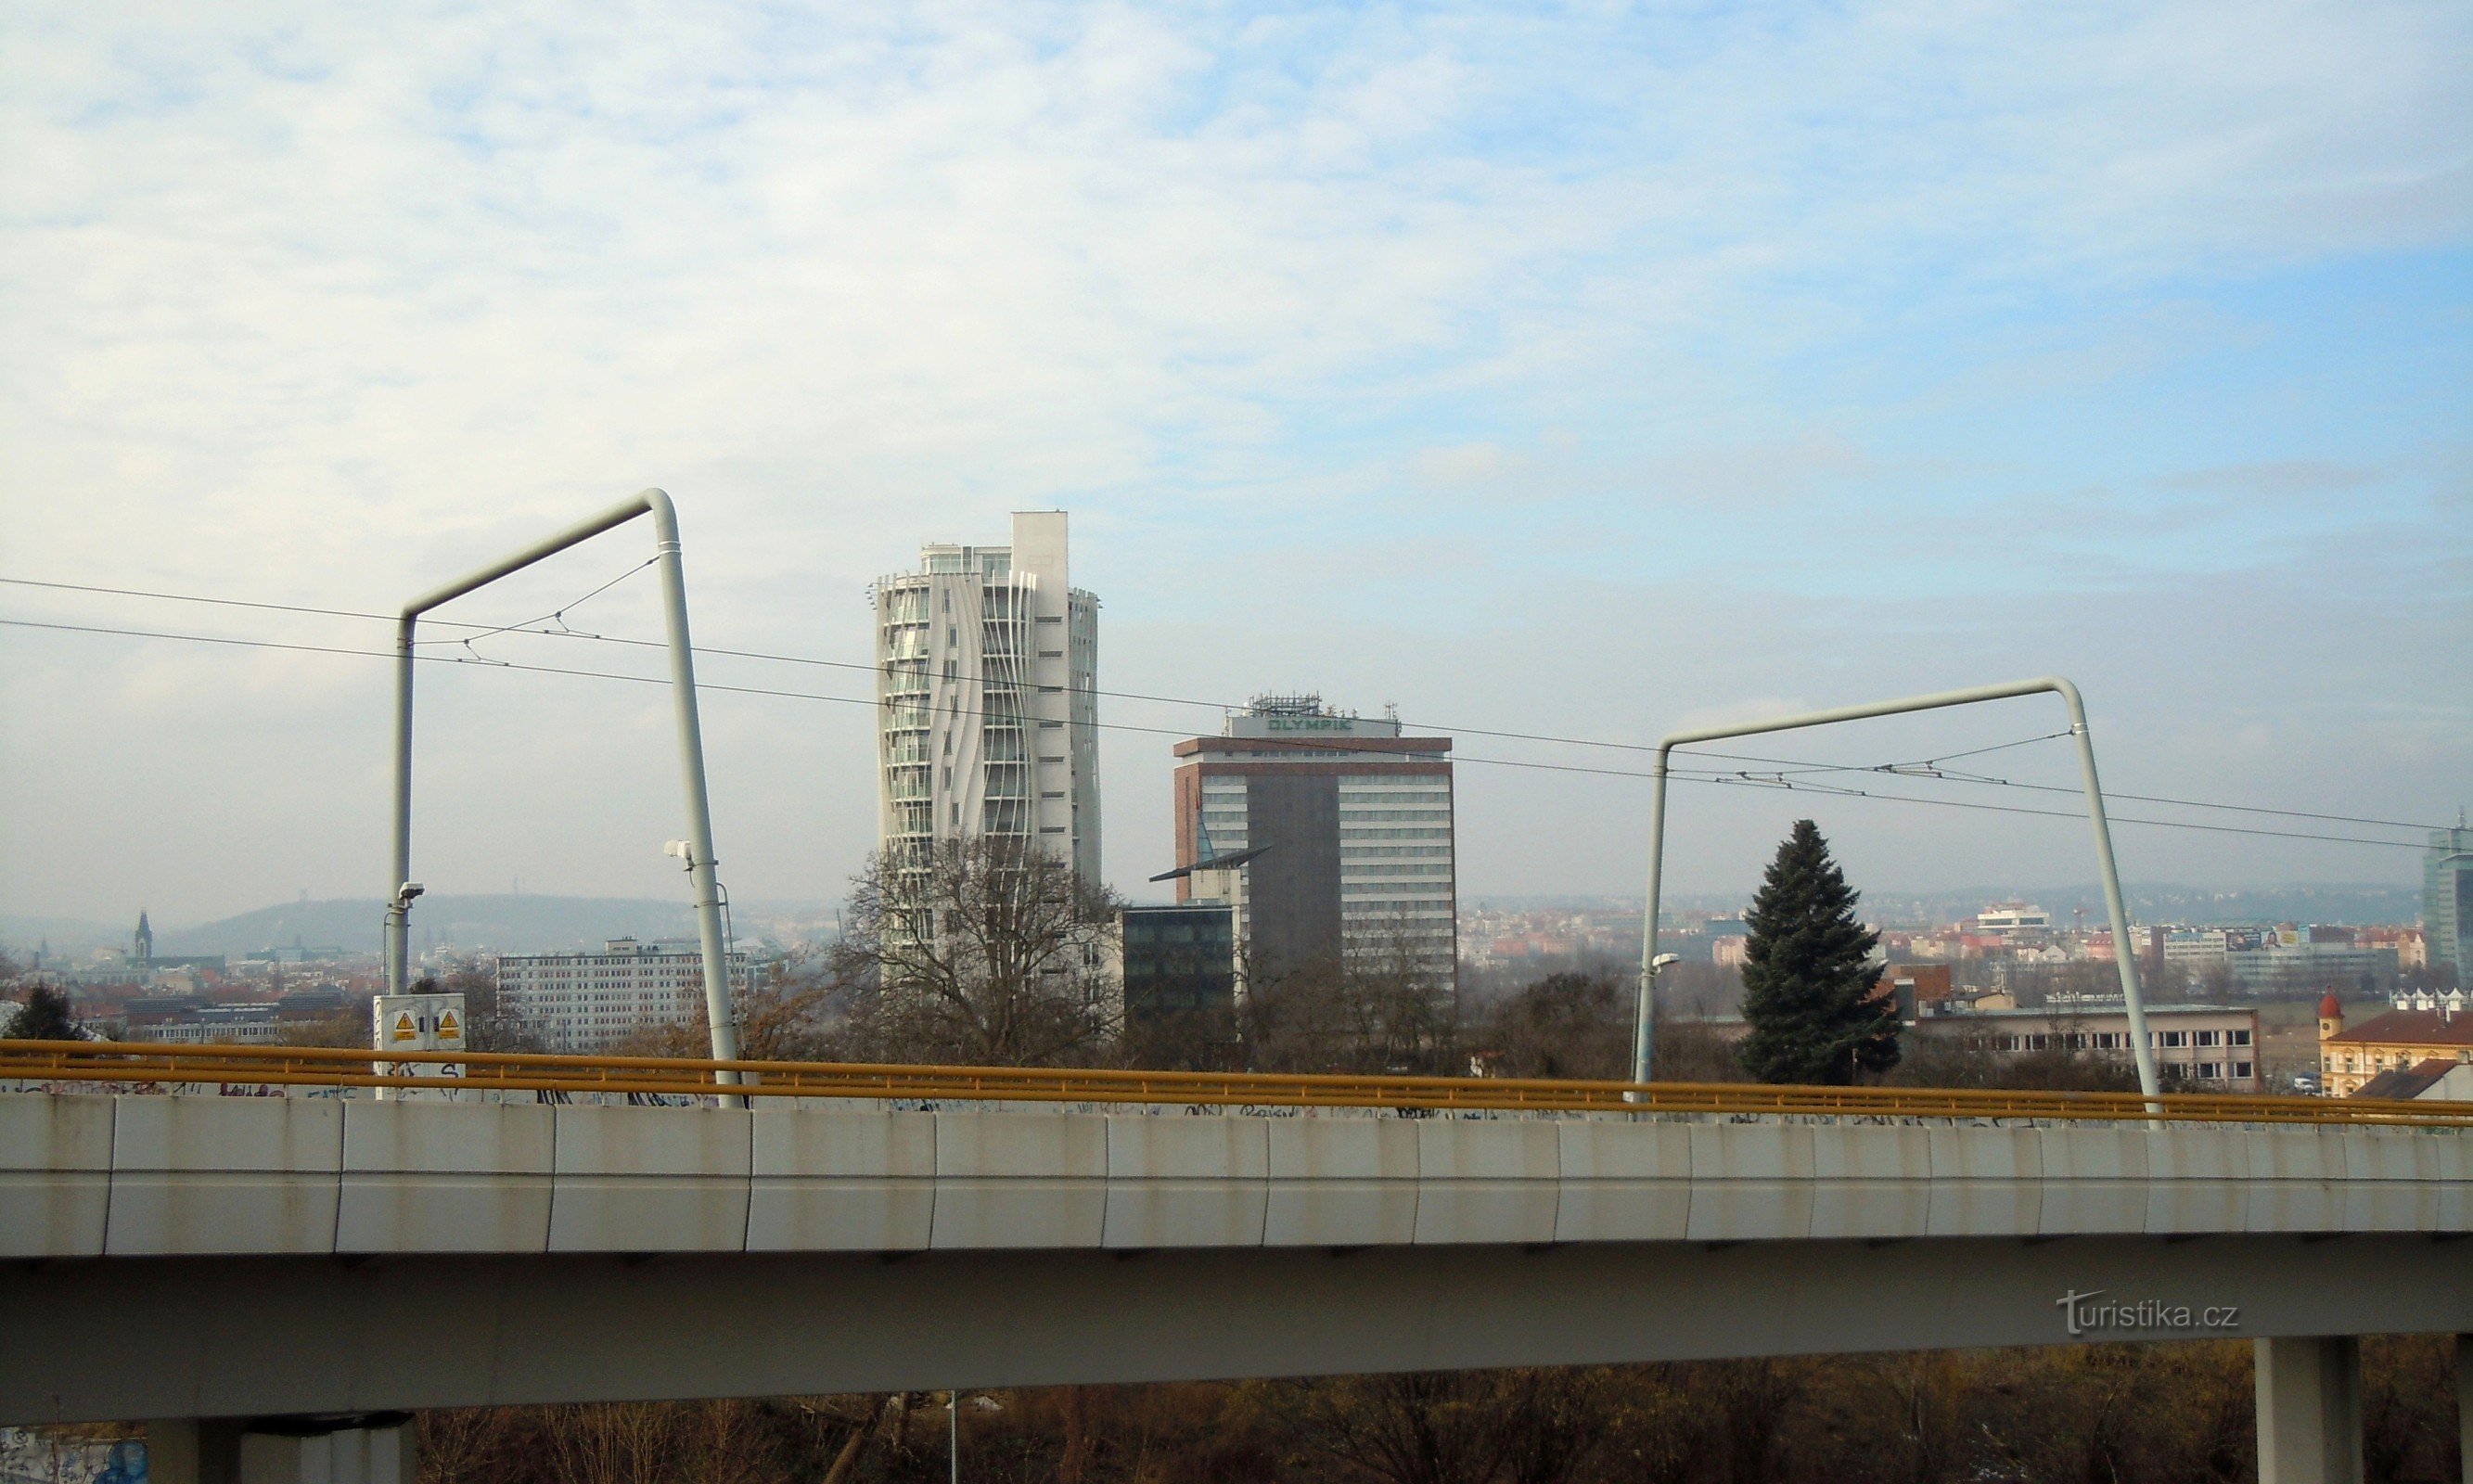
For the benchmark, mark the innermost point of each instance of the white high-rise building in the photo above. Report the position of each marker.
(987, 718)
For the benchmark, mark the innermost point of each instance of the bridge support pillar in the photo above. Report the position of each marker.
(192, 1451)
(2310, 1410)
(2465, 1409)
(350, 1449)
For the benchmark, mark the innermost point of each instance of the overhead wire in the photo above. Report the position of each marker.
(556, 614)
(1689, 776)
(1795, 765)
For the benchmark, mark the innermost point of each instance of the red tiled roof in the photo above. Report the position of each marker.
(2410, 1028)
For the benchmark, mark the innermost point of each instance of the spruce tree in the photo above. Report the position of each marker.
(45, 1015)
(1807, 977)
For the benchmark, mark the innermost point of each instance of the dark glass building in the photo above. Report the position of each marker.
(1179, 958)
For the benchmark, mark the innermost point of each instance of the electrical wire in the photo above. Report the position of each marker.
(556, 614)
(1795, 765)
(1684, 776)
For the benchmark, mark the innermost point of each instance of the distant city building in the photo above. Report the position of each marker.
(1176, 960)
(2197, 948)
(1914, 986)
(987, 722)
(2206, 1046)
(1338, 834)
(2288, 969)
(2012, 919)
(584, 1001)
(140, 965)
(2447, 901)
(2421, 1027)
(252, 1023)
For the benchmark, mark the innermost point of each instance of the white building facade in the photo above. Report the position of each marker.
(2208, 1048)
(585, 1001)
(987, 668)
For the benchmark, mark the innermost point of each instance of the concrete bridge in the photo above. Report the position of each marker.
(270, 1281)
(229, 1257)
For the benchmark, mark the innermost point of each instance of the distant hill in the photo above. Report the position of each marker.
(503, 923)
(22, 932)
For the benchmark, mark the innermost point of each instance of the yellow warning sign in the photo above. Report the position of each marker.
(449, 1027)
(404, 1029)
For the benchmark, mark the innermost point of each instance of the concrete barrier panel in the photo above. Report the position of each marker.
(1182, 1180)
(1987, 1182)
(445, 1177)
(1021, 1180)
(1870, 1180)
(55, 1174)
(651, 1179)
(195, 1176)
(2197, 1181)
(1487, 1180)
(2453, 1157)
(2388, 1206)
(1623, 1182)
(1750, 1180)
(2095, 1180)
(2294, 1153)
(2393, 1155)
(2397, 1181)
(2295, 1180)
(839, 1181)
(1341, 1181)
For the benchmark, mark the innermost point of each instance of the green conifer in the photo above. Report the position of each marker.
(1808, 975)
(45, 1015)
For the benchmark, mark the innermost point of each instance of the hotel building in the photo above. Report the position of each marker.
(1338, 834)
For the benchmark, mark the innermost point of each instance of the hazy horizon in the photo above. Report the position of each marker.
(1575, 375)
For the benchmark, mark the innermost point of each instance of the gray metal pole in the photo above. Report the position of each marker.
(396, 924)
(2132, 994)
(702, 879)
(701, 865)
(1644, 1014)
(2124, 953)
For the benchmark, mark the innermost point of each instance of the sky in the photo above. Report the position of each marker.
(1578, 372)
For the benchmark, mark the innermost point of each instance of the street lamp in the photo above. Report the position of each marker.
(1648, 1015)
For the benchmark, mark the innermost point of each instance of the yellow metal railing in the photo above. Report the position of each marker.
(324, 1066)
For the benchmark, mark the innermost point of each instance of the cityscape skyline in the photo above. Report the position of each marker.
(1561, 428)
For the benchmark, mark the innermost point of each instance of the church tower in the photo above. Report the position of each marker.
(145, 941)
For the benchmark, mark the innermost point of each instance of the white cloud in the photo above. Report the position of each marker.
(326, 303)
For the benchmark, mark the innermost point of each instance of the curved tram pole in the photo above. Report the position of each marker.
(700, 875)
(2124, 955)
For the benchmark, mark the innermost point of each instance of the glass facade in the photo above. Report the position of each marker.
(2447, 898)
(1178, 960)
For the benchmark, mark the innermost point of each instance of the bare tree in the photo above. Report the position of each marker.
(490, 1022)
(985, 949)
(790, 1019)
(1563, 1025)
(1382, 1009)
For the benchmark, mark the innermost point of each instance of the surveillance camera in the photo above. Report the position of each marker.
(408, 891)
(1663, 960)
(679, 848)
